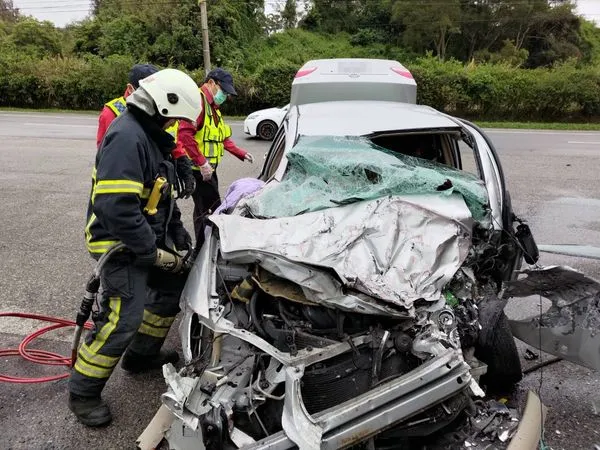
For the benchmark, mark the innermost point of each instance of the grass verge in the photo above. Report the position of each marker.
(541, 126)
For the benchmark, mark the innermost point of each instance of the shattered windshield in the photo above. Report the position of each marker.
(326, 171)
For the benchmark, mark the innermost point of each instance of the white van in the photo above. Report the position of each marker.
(323, 80)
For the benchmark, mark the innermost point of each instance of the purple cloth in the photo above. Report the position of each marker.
(237, 190)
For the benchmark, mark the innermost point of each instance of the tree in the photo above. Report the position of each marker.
(125, 35)
(8, 11)
(427, 25)
(37, 38)
(333, 16)
(87, 37)
(289, 15)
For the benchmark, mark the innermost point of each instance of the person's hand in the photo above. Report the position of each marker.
(206, 170)
(186, 175)
(182, 239)
(248, 157)
(146, 260)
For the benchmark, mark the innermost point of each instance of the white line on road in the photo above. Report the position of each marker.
(69, 125)
(583, 142)
(544, 132)
(50, 115)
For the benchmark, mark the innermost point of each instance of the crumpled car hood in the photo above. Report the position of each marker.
(397, 249)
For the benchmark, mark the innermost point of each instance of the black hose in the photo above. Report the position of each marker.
(254, 315)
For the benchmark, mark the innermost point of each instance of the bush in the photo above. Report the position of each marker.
(65, 83)
(502, 91)
(482, 91)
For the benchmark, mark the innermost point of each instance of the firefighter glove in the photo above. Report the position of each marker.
(186, 175)
(146, 260)
(182, 239)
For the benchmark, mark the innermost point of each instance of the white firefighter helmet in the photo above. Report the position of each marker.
(175, 93)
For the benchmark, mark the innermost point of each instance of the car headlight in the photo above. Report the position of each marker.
(252, 116)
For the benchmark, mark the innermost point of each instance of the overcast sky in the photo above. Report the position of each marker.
(62, 12)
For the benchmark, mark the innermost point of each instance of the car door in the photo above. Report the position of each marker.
(274, 154)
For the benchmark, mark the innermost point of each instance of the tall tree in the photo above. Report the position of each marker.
(427, 25)
(289, 14)
(8, 11)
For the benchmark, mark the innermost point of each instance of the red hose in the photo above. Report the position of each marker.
(37, 356)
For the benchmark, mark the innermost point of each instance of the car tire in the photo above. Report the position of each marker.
(501, 356)
(266, 130)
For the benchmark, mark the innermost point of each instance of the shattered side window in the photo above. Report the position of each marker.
(467, 156)
(326, 171)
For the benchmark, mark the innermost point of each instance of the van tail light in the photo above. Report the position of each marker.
(403, 72)
(304, 72)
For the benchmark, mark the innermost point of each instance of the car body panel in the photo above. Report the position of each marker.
(353, 79)
(362, 117)
(570, 329)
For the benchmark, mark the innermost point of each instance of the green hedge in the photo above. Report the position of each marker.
(485, 92)
(501, 92)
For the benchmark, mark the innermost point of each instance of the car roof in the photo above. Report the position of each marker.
(360, 118)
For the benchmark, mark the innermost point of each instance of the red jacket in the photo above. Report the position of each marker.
(187, 131)
(105, 119)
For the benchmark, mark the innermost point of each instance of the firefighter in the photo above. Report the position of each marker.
(115, 107)
(139, 301)
(205, 143)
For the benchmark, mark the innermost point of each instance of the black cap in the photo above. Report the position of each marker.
(139, 72)
(224, 79)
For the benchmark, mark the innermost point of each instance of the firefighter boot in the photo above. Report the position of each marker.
(135, 362)
(90, 411)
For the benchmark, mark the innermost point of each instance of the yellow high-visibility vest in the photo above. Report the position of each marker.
(117, 105)
(211, 136)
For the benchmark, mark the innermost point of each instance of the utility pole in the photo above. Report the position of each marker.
(205, 43)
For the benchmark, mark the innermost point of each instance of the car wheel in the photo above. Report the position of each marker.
(266, 130)
(501, 356)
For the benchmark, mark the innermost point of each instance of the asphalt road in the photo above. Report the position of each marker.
(45, 166)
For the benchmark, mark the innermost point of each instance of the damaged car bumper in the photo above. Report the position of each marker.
(362, 417)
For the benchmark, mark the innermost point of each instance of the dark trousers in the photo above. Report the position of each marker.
(137, 308)
(206, 200)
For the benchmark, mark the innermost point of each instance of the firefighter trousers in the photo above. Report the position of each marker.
(206, 199)
(137, 308)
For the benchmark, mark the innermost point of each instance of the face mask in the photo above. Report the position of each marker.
(220, 97)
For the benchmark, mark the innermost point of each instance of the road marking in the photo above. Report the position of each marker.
(583, 142)
(544, 132)
(80, 118)
(69, 125)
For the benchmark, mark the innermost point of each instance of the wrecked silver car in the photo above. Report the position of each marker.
(355, 292)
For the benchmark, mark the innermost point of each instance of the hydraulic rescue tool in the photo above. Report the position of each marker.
(165, 260)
